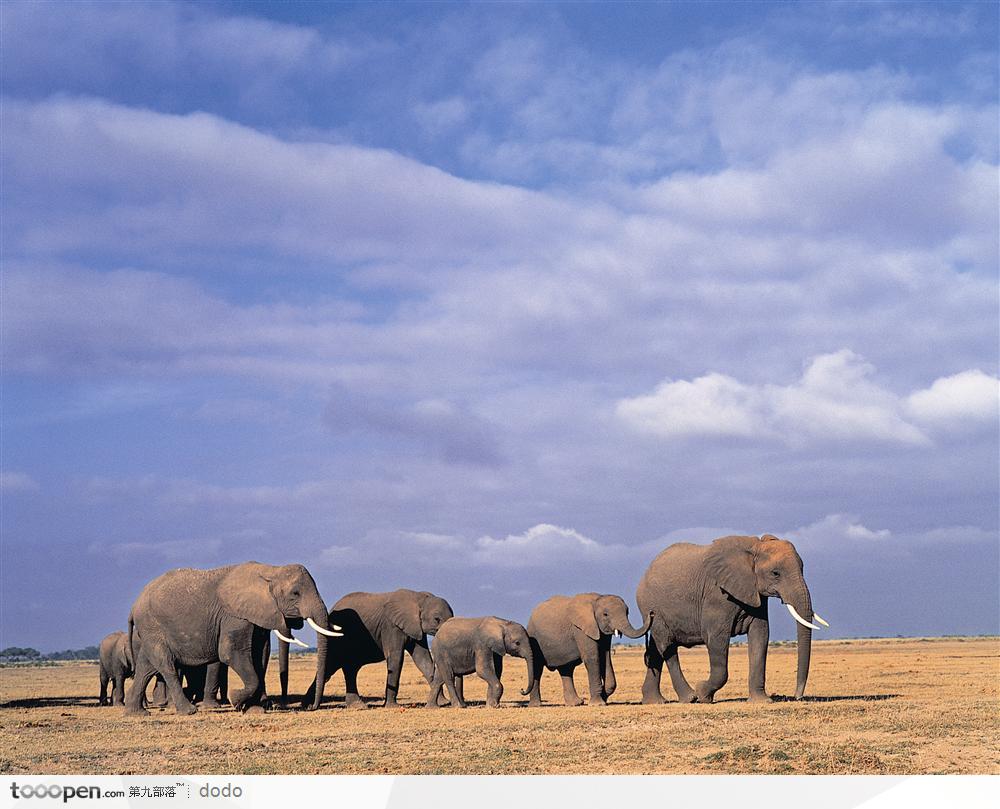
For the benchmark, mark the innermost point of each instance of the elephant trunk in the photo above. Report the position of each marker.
(319, 617)
(283, 670)
(803, 604)
(630, 631)
(531, 672)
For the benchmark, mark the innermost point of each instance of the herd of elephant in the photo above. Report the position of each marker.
(189, 627)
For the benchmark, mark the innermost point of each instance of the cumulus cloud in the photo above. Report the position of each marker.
(834, 531)
(542, 545)
(835, 400)
(967, 400)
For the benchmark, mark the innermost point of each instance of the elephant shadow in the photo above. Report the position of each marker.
(837, 698)
(88, 701)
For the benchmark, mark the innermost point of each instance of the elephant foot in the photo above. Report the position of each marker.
(574, 703)
(185, 709)
(256, 710)
(599, 702)
(211, 703)
(433, 705)
(355, 705)
(534, 703)
(136, 711)
(760, 696)
(653, 699)
(704, 694)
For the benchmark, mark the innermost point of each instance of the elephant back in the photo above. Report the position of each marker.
(551, 631)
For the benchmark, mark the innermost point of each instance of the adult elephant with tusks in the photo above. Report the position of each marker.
(189, 617)
(379, 626)
(706, 594)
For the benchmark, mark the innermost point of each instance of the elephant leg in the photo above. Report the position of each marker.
(460, 688)
(103, 698)
(393, 669)
(570, 697)
(238, 655)
(159, 699)
(654, 669)
(718, 658)
(683, 689)
(758, 636)
(262, 648)
(118, 690)
(592, 662)
(331, 669)
(212, 676)
(352, 699)
(486, 667)
(160, 657)
(421, 656)
(144, 672)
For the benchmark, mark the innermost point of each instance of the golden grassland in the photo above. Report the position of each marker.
(897, 706)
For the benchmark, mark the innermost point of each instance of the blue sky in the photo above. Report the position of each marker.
(499, 300)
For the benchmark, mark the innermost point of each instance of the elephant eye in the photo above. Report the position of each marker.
(775, 573)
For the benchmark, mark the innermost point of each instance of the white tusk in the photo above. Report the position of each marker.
(820, 620)
(799, 618)
(335, 628)
(296, 641)
(322, 631)
(618, 633)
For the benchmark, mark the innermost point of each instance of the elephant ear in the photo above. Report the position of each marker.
(404, 611)
(581, 613)
(123, 656)
(730, 565)
(492, 636)
(246, 593)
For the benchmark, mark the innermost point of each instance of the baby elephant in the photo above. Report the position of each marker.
(466, 645)
(568, 630)
(116, 668)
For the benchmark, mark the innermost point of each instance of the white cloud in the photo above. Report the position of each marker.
(835, 530)
(541, 545)
(965, 400)
(18, 482)
(835, 399)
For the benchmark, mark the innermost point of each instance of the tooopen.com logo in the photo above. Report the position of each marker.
(19, 791)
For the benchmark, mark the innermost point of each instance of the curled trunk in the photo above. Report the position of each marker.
(630, 631)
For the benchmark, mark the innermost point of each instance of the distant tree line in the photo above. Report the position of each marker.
(18, 654)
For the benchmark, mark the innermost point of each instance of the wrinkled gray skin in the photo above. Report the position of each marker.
(116, 667)
(189, 617)
(568, 630)
(705, 594)
(377, 627)
(466, 645)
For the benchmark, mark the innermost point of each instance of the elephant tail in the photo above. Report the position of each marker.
(128, 642)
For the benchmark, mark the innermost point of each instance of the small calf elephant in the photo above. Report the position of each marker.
(466, 645)
(568, 630)
(116, 667)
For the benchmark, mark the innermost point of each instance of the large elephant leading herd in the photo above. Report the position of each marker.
(189, 627)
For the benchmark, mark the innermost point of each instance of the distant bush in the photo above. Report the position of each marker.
(17, 654)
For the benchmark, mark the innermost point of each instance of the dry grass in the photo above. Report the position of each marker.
(877, 706)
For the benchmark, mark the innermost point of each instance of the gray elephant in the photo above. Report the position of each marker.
(116, 667)
(189, 617)
(568, 630)
(377, 627)
(466, 645)
(705, 594)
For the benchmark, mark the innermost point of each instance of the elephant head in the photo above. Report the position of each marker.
(277, 598)
(597, 615)
(510, 638)
(749, 569)
(418, 614)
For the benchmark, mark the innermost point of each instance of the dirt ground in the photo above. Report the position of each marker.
(897, 706)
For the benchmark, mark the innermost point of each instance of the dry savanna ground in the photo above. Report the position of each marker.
(875, 706)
